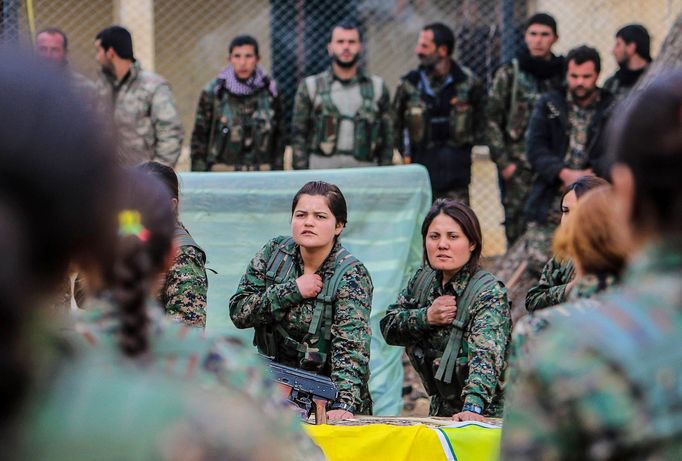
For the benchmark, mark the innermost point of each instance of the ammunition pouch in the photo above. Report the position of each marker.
(264, 340)
(415, 122)
(462, 123)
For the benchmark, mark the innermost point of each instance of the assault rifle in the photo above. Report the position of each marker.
(308, 391)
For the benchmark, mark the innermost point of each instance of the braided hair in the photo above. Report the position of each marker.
(146, 230)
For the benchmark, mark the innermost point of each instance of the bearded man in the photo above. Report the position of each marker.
(342, 116)
(439, 114)
(564, 143)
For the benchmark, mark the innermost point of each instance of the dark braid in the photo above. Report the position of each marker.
(141, 253)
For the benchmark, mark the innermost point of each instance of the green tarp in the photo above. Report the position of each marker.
(232, 215)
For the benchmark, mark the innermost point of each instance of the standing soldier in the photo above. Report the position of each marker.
(514, 91)
(564, 143)
(143, 107)
(342, 116)
(439, 114)
(238, 125)
(633, 57)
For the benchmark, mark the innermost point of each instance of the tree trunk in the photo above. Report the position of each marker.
(668, 58)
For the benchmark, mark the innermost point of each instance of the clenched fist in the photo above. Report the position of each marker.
(442, 311)
(309, 285)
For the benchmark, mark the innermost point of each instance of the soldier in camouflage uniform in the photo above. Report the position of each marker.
(239, 123)
(143, 107)
(342, 116)
(512, 96)
(451, 296)
(282, 295)
(614, 394)
(439, 115)
(564, 142)
(185, 286)
(52, 45)
(633, 57)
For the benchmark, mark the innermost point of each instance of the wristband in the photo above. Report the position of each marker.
(341, 406)
(472, 408)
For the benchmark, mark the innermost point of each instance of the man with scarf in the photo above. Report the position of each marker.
(513, 93)
(238, 124)
(439, 114)
(342, 116)
(633, 57)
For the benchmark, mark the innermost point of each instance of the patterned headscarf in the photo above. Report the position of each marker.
(251, 85)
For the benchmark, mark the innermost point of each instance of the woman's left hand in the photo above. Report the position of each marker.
(467, 416)
(339, 414)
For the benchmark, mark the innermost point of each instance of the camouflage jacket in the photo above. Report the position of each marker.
(622, 81)
(551, 290)
(183, 295)
(86, 404)
(254, 304)
(506, 124)
(145, 115)
(528, 328)
(185, 353)
(238, 131)
(316, 128)
(484, 345)
(614, 393)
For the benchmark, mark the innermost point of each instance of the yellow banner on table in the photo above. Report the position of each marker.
(379, 442)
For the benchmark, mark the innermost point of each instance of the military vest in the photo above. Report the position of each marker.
(313, 350)
(183, 238)
(438, 369)
(242, 130)
(443, 118)
(327, 118)
(525, 91)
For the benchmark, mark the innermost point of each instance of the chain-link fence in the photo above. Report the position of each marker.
(186, 42)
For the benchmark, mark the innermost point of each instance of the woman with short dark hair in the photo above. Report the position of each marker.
(454, 318)
(309, 299)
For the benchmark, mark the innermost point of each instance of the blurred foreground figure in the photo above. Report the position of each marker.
(604, 384)
(55, 209)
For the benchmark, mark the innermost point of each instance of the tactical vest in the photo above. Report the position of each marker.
(443, 118)
(328, 118)
(183, 238)
(238, 136)
(313, 350)
(650, 359)
(436, 368)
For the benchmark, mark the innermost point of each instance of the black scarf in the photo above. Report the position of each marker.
(627, 77)
(542, 69)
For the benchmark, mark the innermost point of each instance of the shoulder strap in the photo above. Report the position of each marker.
(280, 263)
(478, 283)
(323, 89)
(323, 303)
(367, 93)
(514, 89)
(423, 285)
(183, 238)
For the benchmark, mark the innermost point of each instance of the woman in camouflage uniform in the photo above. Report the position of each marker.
(183, 295)
(593, 239)
(454, 318)
(309, 299)
(557, 278)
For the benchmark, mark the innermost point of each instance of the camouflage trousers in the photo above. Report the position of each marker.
(460, 194)
(514, 196)
(538, 243)
(324, 162)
